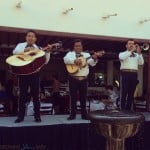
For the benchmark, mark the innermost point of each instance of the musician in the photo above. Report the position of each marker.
(78, 80)
(130, 60)
(30, 80)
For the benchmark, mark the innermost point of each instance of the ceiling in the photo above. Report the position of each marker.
(9, 39)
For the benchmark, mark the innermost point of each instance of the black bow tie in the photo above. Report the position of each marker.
(132, 55)
(78, 55)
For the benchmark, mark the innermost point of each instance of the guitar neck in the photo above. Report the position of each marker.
(99, 55)
(50, 47)
(45, 48)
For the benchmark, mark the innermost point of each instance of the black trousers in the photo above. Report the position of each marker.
(26, 81)
(56, 98)
(128, 85)
(78, 87)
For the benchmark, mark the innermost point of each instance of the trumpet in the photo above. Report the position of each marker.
(144, 47)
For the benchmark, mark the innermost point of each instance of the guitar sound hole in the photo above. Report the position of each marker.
(32, 54)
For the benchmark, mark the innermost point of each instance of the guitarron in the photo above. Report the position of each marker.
(27, 62)
(30, 61)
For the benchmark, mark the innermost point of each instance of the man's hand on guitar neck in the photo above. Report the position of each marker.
(96, 55)
(49, 47)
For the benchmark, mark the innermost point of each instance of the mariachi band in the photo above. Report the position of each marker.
(28, 58)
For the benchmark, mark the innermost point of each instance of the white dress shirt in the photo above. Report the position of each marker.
(21, 46)
(130, 62)
(70, 58)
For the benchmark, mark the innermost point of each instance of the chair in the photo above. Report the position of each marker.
(46, 105)
(2, 108)
(140, 104)
(78, 105)
(45, 108)
(4, 103)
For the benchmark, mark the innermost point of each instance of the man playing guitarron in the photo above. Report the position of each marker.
(77, 63)
(30, 80)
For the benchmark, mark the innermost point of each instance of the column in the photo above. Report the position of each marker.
(140, 78)
(110, 69)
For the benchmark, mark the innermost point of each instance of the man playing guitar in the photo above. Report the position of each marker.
(78, 79)
(30, 80)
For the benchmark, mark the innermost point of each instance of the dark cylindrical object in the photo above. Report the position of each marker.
(116, 125)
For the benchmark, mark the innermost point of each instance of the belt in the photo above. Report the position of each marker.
(79, 77)
(129, 70)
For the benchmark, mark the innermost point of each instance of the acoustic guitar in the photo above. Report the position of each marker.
(73, 68)
(29, 61)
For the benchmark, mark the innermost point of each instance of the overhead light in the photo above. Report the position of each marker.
(67, 11)
(18, 5)
(144, 21)
(109, 15)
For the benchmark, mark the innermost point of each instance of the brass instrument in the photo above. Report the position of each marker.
(144, 47)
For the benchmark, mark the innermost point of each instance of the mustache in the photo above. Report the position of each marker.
(131, 46)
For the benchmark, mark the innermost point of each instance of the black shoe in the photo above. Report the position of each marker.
(18, 120)
(71, 117)
(38, 119)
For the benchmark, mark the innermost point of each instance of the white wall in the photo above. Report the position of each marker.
(85, 17)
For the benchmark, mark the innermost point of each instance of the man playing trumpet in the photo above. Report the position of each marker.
(130, 60)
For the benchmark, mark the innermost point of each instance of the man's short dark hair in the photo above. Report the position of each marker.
(77, 40)
(32, 31)
(130, 40)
